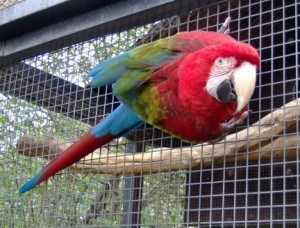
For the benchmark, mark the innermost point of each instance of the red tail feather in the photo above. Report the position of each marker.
(79, 149)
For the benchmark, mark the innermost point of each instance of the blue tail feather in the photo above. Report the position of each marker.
(120, 122)
(30, 184)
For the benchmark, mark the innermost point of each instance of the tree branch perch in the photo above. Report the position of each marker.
(263, 139)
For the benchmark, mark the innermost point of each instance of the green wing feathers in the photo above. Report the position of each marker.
(134, 67)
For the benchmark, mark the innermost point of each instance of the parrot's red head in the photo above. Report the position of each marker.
(223, 77)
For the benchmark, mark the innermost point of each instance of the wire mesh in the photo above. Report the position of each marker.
(7, 3)
(46, 105)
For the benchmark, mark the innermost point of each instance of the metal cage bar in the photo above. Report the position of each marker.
(46, 104)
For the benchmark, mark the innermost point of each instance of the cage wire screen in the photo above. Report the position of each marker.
(7, 3)
(148, 178)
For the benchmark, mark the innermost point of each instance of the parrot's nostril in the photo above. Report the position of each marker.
(232, 88)
(233, 92)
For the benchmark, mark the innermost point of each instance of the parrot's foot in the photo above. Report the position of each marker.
(232, 124)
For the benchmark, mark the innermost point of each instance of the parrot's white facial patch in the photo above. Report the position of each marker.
(220, 71)
(236, 83)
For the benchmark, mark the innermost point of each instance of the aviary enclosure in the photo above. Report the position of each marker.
(148, 178)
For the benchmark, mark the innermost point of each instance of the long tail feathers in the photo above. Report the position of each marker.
(120, 122)
(79, 149)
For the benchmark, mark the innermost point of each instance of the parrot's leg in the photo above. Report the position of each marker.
(235, 122)
(225, 26)
(232, 124)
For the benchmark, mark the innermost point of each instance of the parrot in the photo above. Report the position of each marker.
(193, 85)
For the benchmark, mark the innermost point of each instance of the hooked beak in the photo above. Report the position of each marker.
(244, 78)
(239, 87)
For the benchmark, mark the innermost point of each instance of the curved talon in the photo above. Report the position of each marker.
(232, 124)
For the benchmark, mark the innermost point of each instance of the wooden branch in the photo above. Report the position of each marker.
(264, 139)
(49, 147)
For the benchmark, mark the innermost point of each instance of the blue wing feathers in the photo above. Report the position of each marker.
(120, 122)
(147, 57)
(126, 66)
(107, 72)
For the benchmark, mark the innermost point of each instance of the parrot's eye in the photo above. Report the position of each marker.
(220, 62)
(222, 66)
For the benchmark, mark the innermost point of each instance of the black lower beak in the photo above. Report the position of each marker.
(226, 92)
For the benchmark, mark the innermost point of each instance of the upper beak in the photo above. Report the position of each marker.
(243, 79)
(238, 87)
